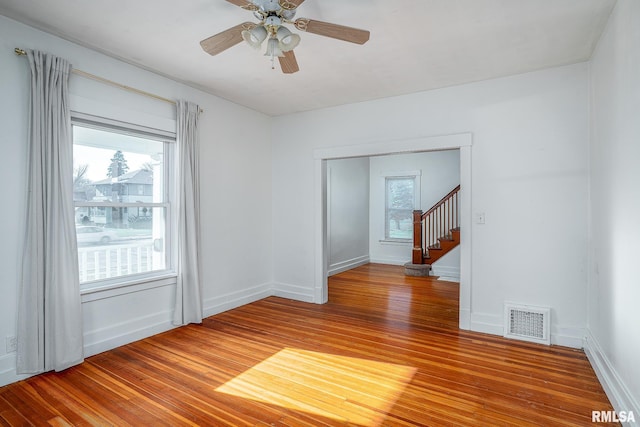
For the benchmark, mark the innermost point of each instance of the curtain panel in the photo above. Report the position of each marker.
(49, 309)
(188, 307)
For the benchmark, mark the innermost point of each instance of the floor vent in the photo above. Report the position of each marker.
(524, 322)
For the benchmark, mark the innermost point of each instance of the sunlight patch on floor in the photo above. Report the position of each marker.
(347, 389)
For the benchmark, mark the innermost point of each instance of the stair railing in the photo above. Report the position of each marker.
(434, 224)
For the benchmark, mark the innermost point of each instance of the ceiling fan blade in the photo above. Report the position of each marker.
(340, 32)
(288, 63)
(226, 39)
(245, 4)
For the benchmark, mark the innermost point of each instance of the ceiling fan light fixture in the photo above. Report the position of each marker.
(288, 40)
(273, 48)
(255, 36)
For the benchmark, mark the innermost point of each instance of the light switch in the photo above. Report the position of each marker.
(480, 218)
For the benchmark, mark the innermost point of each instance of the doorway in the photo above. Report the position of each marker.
(463, 142)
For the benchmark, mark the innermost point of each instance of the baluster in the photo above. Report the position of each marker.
(432, 218)
(96, 262)
(450, 215)
(129, 269)
(447, 222)
(84, 269)
(457, 206)
(119, 266)
(440, 223)
(107, 263)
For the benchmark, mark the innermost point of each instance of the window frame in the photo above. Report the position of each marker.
(416, 176)
(154, 278)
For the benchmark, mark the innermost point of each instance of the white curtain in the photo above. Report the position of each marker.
(188, 307)
(49, 308)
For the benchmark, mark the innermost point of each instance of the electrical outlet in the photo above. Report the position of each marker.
(12, 344)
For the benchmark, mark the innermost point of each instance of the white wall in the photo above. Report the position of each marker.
(347, 213)
(439, 174)
(529, 175)
(236, 190)
(614, 292)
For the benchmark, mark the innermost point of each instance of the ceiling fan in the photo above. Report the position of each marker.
(273, 14)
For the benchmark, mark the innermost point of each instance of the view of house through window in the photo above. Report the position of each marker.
(400, 201)
(121, 202)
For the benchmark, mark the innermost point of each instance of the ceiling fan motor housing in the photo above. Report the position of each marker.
(267, 5)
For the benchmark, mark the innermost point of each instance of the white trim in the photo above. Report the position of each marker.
(295, 292)
(8, 373)
(446, 271)
(229, 301)
(389, 261)
(486, 323)
(462, 141)
(128, 128)
(567, 336)
(100, 340)
(112, 288)
(401, 174)
(410, 145)
(466, 264)
(341, 266)
(465, 318)
(320, 291)
(614, 386)
(396, 242)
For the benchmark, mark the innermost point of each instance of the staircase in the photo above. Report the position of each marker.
(435, 233)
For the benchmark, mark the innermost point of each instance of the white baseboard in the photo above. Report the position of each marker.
(390, 261)
(614, 386)
(567, 337)
(486, 323)
(101, 340)
(339, 267)
(464, 319)
(8, 373)
(295, 292)
(438, 270)
(233, 300)
(108, 338)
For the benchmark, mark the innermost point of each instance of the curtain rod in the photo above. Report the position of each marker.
(21, 52)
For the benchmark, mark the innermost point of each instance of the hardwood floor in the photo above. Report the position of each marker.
(385, 350)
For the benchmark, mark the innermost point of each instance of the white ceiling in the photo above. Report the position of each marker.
(415, 45)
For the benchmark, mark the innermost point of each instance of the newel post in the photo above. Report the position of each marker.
(416, 255)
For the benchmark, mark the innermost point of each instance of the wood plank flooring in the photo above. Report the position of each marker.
(385, 351)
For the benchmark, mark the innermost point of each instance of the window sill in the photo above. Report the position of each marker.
(108, 289)
(396, 242)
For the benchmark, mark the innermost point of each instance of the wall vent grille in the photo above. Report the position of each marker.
(528, 323)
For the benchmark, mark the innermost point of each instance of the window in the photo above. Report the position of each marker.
(400, 201)
(122, 197)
